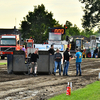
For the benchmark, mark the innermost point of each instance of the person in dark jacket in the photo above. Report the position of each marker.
(57, 58)
(34, 57)
(66, 59)
(96, 52)
(51, 50)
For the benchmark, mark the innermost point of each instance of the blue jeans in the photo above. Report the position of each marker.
(59, 65)
(91, 55)
(96, 54)
(78, 67)
(66, 68)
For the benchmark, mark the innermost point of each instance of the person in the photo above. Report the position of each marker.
(33, 59)
(57, 58)
(66, 59)
(51, 50)
(23, 48)
(78, 57)
(96, 52)
(92, 51)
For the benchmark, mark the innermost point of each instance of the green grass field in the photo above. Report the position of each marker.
(3, 63)
(90, 92)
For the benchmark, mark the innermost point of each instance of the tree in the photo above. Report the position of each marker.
(68, 24)
(36, 24)
(91, 17)
(71, 30)
(74, 30)
(87, 33)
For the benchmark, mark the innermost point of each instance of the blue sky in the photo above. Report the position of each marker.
(13, 11)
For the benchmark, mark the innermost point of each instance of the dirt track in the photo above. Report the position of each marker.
(24, 87)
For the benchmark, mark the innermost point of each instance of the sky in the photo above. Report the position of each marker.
(13, 11)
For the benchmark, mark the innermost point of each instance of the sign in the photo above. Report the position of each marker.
(54, 42)
(57, 30)
(54, 36)
(46, 47)
(29, 40)
(8, 36)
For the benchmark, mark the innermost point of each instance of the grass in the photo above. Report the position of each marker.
(3, 63)
(90, 92)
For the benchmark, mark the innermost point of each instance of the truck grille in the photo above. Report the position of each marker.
(8, 49)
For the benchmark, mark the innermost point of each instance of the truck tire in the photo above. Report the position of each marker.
(89, 55)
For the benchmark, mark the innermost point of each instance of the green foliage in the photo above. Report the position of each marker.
(90, 92)
(74, 31)
(71, 30)
(36, 24)
(87, 33)
(91, 17)
(68, 24)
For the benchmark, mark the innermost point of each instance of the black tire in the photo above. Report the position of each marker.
(49, 73)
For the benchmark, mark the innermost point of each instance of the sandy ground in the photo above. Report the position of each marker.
(42, 87)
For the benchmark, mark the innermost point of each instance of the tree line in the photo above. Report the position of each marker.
(36, 24)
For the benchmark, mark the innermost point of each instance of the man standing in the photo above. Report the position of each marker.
(51, 50)
(66, 59)
(57, 58)
(92, 52)
(78, 57)
(96, 52)
(33, 60)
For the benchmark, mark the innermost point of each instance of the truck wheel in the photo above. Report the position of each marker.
(2, 57)
(89, 55)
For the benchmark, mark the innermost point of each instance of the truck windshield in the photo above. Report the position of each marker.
(29, 44)
(10, 41)
(78, 43)
(98, 45)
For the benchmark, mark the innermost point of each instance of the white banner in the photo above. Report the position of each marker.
(54, 42)
(46, 47)
(8, 37)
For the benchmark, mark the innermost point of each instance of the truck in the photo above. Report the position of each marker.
(91, 45)
(86, 46)
(8, 44)
(29, 47)
(55, 35)
(54, 39)
(80, 43)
